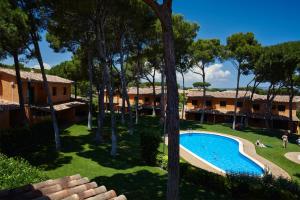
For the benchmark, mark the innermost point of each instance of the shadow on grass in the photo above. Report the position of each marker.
(146, 185)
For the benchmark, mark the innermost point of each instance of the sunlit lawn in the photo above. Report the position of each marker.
(126, 173)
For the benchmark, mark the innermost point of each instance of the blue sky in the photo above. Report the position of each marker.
(272, 22)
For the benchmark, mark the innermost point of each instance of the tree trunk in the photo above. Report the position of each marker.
(183, 102)
(123, 106)
(154, 99)
(154, 95)
(172, 120)
(236, 97)
(125, 93)
(162, 99)
(107, 76)
(110, 88)
(137, 102)
(137, 84)
(46, 88)
(204, 95)
(101, 112)
(291, 96)
(90, 115)
(20, 89)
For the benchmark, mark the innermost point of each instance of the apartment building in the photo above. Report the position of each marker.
(35, 98)
(219, 107)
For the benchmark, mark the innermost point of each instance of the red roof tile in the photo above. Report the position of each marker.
(67, 188)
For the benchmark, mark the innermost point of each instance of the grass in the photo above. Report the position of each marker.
(126, 173)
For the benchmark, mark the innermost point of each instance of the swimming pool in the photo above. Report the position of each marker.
(223, 153)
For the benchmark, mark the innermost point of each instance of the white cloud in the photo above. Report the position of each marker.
(46, 66)
(215, 75)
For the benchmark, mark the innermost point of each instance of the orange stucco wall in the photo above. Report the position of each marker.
(247, 107)
(60, 97)
(9, 90)
(216, 104)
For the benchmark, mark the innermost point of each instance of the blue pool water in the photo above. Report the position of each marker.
(220, 151)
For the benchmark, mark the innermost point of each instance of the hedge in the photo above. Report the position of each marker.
(16, 172)
(238, 186)
(15, 141)
(149, 142)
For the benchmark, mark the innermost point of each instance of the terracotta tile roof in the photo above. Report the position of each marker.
(67, 188)
(61, 106)
(148, 90)
(6, 105)
(231, 94)
(35, 76)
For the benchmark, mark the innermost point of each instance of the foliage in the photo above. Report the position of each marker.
(243, 49)
(240, 186)
(162, 161)
(182, 98)
(72, 69)
(200, 85)
(16, 172)
(14, 28)
(149, 142)
(16, 141)
(205, 52)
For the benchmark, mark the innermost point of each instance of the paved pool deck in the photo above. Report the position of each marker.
(293, 156)
(249, 149)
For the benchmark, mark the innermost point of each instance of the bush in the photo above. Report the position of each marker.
(16, 140)
(239, 186)
(16, 172)
(149, 142)
(162, 161)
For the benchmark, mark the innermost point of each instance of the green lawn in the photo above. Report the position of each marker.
(126, 173)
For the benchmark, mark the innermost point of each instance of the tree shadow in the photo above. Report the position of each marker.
(146, 185)
(140, 185)
(128, 152)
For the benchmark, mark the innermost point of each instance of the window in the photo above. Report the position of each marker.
(281, 107)
(255, 107)
(223, 103)
(194, 102)
(65, 91)
(157, 99)
(239, 104)
(54, 91)
(146, 99)
(208, 103)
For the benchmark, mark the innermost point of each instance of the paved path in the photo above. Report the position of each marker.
(293, 156)
(249, 149)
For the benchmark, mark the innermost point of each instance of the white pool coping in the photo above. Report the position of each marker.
(241, 150)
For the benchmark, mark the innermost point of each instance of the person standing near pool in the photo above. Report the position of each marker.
(284, 140)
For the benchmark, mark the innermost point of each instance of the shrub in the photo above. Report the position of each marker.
(162, 161)
(17, 140)
(16, 172)
(149, 142)
(239, 186)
